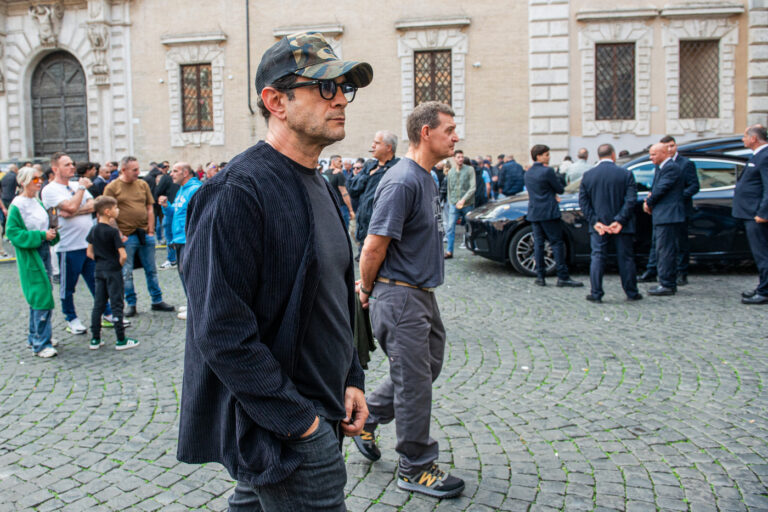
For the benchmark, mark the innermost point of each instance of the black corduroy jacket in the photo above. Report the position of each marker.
(250, 266)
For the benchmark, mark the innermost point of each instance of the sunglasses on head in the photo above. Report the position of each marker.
(328, 88)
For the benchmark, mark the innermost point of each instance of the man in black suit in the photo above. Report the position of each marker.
(683, 249)
(607, 197)
(665, 205)
(544, 215)
(750, 203)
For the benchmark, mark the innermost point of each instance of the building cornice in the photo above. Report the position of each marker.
(206, 37)
(431, 23)
(617, 14)
(702, 9)
(332, 30)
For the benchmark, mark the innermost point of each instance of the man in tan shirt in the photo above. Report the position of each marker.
(136, 223)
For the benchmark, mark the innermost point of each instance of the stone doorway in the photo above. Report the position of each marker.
(59, 110)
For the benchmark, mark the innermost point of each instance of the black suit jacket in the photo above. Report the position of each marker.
(608, 193)
(543, 186)
(666, 199)
(691, 186)
(750, 198)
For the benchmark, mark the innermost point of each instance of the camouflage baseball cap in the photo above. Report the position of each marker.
(308, 54)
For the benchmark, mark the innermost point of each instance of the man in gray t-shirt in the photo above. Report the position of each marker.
(403, 257)
(406, 208)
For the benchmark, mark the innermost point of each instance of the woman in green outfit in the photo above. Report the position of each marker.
(28, 229)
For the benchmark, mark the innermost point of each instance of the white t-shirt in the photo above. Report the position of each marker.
(73, 230)
(32, 213)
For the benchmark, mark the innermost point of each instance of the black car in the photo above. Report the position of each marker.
(499, 230)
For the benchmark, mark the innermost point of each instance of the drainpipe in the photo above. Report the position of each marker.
(248, 49)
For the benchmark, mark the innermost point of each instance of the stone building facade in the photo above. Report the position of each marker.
(174, 79)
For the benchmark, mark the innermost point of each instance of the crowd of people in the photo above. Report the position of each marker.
(98, 222)
(273, 379)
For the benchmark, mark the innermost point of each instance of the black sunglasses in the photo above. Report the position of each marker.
(328, 88)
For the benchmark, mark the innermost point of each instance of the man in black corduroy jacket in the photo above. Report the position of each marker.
(271, 377)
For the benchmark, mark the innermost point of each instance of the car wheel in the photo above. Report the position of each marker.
(520, 253)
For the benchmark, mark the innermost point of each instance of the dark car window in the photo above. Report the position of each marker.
(717, 173)
(643, 175)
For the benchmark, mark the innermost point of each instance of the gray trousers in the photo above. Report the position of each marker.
(407, 323)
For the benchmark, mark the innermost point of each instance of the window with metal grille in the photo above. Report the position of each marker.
(699, 79)
(432, 76)
(614, 81)
(197, 98)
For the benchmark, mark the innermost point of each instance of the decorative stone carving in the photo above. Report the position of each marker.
(48, 18)
(429, 39)
(2, 82)
(727, 31)
(629, 31)
(98, 35)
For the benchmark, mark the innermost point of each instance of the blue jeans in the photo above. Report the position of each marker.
(39, 329)
(453, 215)
(317, 484)
(167, 221)
(73, 264)
(147, 256)
(345, 215)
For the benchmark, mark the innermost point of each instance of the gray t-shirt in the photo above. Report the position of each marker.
(407, 209)
(327, 350)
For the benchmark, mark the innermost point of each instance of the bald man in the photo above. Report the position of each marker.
(185, 177)
(666, 207)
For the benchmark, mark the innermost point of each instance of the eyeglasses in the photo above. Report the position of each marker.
(328, 88)
(357, 167)
(37, 179)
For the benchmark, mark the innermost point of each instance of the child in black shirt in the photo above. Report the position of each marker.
(106, 247)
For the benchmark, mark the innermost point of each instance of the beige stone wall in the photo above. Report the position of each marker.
(659, 124)
(496, 99)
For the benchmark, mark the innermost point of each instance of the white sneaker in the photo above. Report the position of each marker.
(75, 326)
(167, 265)
(182, 309)
(182, 315)
(113, 320)
(47, 352)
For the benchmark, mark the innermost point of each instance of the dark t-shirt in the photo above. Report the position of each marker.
(336, 180)
(407, 208)
(327, 350)
(106, 242)
(9, 185)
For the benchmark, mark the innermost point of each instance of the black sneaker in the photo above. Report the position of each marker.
(432, 482)
(366, 443)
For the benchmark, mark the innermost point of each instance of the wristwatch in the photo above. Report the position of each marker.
(362, 289)
(81, 187)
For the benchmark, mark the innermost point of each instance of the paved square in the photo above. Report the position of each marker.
(546, 402)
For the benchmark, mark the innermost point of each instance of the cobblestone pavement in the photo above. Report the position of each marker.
(546, 402)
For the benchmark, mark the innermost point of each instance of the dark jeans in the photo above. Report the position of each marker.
(683, 252)
(408, 326)
(757, 234)
(73, 264)
(168, 230)
(625, 257)
(179, 251)
(550, 230)
(109, 285)
(345, 215)
(317, 484)
(666, 237)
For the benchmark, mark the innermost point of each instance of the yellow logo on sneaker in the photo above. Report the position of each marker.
(426, 477)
